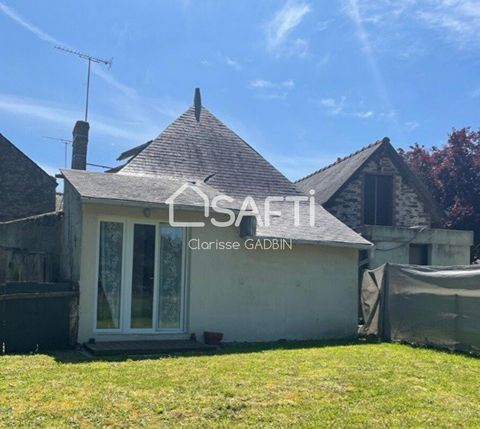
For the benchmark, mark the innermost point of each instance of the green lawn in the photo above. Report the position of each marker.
(289, 385)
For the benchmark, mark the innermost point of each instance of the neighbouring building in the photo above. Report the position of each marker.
(25, 189)
(375, 193)
(140, 277)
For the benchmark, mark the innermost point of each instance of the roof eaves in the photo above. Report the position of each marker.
(331, 243)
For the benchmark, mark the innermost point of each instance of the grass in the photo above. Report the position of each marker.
(287, 385)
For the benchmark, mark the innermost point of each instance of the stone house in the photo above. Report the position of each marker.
(143, 277)
(25, 189)
(375, 192)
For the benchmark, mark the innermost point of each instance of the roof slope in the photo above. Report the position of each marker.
(156, 190)
(331, 179)
(327, 230)
(328, 180)
(195, 150)
(147, 190)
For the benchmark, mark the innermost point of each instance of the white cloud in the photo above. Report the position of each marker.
(46, 37)
(233, 63)
(26, 107)
(333, 106)
(412, 125)
(364, 115)
(269, 90)
(262, 83)
(282, 24)
(138, 116)
(456, 21)
(30, 27)
(459, 20)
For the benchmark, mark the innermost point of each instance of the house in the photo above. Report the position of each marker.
(375, 193)
(25, 189)
(291, 277)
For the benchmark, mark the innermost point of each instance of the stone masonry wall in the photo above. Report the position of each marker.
(25, 190)
(409, 209)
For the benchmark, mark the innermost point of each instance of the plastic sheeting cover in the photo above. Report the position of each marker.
(427, 305)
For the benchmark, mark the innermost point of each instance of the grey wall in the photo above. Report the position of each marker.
(25, 189)
(27, 244)
(446, 247)
(71, 234)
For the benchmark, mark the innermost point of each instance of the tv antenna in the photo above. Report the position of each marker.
(64, 141)
(90, 59)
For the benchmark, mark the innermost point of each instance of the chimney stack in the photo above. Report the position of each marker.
(197, 102)
(79, 145)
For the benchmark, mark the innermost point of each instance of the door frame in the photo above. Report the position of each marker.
(127, 269)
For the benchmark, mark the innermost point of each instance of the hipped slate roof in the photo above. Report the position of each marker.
(193, 150)
(199, 149)
(330, 180)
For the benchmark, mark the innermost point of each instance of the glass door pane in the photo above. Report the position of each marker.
(170, 288)
(143, 270)
(109, 275)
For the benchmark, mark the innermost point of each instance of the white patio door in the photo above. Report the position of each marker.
(140, 286)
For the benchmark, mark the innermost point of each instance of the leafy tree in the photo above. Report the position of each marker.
(452, 173)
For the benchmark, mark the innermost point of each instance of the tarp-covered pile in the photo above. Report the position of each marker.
(427, 305)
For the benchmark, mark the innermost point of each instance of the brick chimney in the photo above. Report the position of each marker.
(79, 145)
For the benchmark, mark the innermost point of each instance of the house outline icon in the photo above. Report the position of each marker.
(170, 201)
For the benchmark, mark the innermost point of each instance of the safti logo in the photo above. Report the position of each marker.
(221, 204)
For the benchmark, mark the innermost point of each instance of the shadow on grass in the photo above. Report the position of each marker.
(79, 356)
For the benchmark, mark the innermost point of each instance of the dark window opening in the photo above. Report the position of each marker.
(419, 254)
(378, 202)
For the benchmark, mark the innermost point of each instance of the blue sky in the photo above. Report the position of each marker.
(304, 82)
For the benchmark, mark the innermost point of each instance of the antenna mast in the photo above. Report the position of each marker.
(64, 141)
(90, 59)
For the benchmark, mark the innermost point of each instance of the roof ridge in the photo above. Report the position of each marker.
(339, 160)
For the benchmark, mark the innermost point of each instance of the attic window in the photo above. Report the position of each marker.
(378, 199)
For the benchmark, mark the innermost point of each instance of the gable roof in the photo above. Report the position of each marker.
(330, 180)
(5, 142)
(197, 150)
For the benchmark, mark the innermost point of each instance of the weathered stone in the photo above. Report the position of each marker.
(409, 210)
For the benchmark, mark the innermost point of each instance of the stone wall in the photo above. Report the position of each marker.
(409, 209)
(25, 189)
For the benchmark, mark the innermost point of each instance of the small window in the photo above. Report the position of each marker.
(378, 199)
(419, 254)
